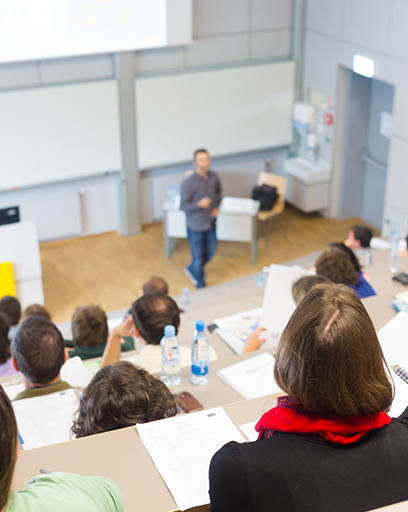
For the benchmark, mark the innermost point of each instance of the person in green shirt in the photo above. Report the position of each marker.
(38, 352)
(90, 333)
(62, 492)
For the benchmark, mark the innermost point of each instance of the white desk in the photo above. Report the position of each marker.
(237, 222)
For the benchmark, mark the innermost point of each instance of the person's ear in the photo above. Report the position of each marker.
(13, 362)
(66, 355)
(134, 330)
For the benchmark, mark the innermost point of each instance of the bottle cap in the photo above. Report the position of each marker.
(169, 330)
(200, 324)
(186, 290)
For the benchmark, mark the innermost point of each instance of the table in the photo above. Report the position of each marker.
(235, 223)
(121, 456)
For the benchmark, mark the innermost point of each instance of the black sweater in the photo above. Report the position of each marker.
(292, 472)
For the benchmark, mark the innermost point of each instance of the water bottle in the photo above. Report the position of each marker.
(200, 355)
(262, 278)
(186, 300)
(170, 354)
(394, 254)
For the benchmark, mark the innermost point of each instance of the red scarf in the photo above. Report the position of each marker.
(289, 416)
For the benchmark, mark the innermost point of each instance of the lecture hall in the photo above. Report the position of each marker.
(203, 255)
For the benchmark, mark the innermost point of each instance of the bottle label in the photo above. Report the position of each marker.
(199, 370)
(170, 359)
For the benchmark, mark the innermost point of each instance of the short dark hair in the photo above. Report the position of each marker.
(4, 339)
(339, 246)
(304, 284)
(151, 313)
(89, 326)
(155, 284)
(329, 358)
(8, 447)
(39, 350)
(36, 310)
(121, 395)
(337, 266)
(201, 150)
(363, 234)
(11, 306)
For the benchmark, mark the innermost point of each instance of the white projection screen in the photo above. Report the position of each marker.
(42, 29)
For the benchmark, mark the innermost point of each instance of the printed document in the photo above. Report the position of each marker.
(182, 447)
(393, 339)
(45, 420)
(253, 377)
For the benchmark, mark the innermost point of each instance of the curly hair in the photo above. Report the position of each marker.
(121, 395)
(337, 266)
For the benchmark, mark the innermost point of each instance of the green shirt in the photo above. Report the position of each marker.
(43, 390)
(97, 350)
(65, 492)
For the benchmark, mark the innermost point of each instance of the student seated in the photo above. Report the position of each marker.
(337, 266)
(36, 310)
(38, 351)
(155, 284)
(12, 308)
(90, 333)
(304, 284)
(339, 246)
(6, 366)
(149, 316)
(121, 395)
(358, 238)
(328, 444)
(62, 492)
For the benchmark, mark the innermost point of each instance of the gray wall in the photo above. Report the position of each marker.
(336, 30)
(226, 32)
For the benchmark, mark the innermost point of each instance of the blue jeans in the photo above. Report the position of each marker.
(203, 245)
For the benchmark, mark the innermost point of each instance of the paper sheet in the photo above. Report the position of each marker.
(114, 322)
(74, 372)
(400, 402)
(235, 329)
(278, 303)
(45, 420)
(237, 205)
(253, 377)
(249, 430)
(394, 339)
(13, 388)
(182, 448)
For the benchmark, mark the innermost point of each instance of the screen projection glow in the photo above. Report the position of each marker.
(41, 29)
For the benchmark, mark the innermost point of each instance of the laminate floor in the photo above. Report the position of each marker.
(109, 269)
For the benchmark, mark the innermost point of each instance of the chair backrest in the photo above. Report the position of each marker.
(267, 178)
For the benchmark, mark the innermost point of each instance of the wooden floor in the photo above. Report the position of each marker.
(110, 269)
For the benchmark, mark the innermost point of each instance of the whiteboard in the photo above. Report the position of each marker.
(49, 134)
(227, 111)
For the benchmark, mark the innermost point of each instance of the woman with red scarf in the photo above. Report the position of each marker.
(329, 445)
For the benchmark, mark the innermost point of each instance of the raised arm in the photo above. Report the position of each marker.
(111, 354)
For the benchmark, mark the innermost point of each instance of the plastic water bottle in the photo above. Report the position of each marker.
(200, 355)
(186, 300)
(394, 254)
(170, 357)
(262, 278)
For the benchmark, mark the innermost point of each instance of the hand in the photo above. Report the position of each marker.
(253, 342)
(214, 213)
(124, 329)
(204, 203)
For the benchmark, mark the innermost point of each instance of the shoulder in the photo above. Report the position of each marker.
(402, 418)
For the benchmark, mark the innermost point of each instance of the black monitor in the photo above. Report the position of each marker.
(9, 215)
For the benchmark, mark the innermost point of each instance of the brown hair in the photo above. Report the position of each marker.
(155, 284)
(89, 326)
(337, 266)
(304, 284)
(5, 352)
(11, 306)
(329, 358)
(36, 310)
(363, 234)
(8, 447)
(121, 395)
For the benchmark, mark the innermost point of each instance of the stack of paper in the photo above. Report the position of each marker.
(394, 339)
(182, 447)
(253, 377)
(45, 420)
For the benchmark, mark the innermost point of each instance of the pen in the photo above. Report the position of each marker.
(44, 471)
(21, 439)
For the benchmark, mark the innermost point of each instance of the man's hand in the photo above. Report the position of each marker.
(214, 213)
(204, 203)
(253, 342)
(123, 329)
(111, 354)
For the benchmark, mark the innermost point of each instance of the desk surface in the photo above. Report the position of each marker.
(121, 456)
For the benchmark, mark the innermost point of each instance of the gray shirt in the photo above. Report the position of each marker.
(195, 188)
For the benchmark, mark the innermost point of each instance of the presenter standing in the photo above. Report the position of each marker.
(200, 199)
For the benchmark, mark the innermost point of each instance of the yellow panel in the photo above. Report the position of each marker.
(7, 286)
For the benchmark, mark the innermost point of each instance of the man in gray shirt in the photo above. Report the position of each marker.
(200, 199)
